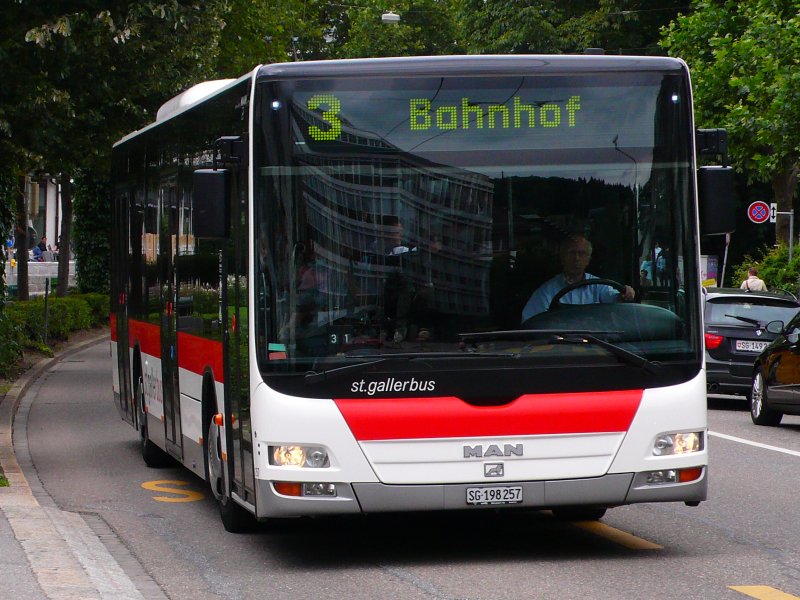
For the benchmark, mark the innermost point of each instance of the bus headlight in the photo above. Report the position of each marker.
(678, 443)
(314, 457)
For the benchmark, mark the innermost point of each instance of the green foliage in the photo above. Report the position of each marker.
(92, 239)
(63, 316)
(11, 346)
(548, 26)
(773, 267)
(99, 307)
(743, 57)
(426, 27)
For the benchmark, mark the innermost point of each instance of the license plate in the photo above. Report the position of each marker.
(750, 345)
(495, 495)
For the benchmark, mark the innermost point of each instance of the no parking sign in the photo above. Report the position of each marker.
(759, 212)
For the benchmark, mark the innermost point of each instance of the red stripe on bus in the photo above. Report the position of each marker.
(146, 335)
(196, 353)
(112, 321)
(450, 417)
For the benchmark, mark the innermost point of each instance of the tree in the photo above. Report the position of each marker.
(746, 78)
(426, 27)
(549, 26)
(83, 77)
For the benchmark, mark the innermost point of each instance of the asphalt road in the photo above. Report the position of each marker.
(745, 535)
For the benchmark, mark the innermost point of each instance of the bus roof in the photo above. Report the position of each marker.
(469, 65)
(416, 65)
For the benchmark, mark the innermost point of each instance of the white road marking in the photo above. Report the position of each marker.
(752, 443)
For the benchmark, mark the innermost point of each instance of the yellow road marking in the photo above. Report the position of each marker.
(162, 485)
(618, 536)
(762, 592)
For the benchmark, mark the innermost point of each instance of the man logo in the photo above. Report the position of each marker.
(493, 470)
(492, 450)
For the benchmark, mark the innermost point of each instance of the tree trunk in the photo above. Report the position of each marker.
(65, 241)
(784, 187)
(21, 240)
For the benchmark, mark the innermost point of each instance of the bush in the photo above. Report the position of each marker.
(11, 345)
(98, 304)
(64, 315)
(773, 267)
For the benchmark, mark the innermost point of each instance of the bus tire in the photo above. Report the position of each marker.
(153, 456)
(234, 518)
(579, 513)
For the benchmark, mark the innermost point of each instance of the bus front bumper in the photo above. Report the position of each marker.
(609, 490)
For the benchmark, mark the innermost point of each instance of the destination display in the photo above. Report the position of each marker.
(459, 114)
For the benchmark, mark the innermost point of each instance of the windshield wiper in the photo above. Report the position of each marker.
(566, 336)
(401, 357)
(621, 353)
(746, 320)
(528, 334)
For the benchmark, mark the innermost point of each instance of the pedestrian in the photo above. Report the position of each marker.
(753, 283)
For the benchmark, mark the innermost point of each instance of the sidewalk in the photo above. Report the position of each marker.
(45, 552)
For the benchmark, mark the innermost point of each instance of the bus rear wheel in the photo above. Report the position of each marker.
(234, 518)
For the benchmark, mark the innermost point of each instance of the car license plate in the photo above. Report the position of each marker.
(751, 345)
(495, 495)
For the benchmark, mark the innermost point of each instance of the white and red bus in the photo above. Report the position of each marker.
(320, 272)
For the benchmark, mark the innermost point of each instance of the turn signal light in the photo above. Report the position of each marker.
(288, 488)
(713, 341)
(692, 474)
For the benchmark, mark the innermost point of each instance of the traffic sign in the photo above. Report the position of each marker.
(773, 212)
(759, 212)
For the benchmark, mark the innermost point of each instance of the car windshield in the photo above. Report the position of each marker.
(397, 215)
(741, 312)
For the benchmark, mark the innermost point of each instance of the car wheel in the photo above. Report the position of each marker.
(760, 413)
(579, 513)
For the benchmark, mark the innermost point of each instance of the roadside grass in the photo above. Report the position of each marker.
(3, 481)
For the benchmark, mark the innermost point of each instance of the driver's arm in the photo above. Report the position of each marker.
(609, 295)
(539, 301)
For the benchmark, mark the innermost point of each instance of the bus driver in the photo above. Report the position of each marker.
(575, 253)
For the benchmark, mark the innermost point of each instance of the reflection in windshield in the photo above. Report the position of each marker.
(379, 237)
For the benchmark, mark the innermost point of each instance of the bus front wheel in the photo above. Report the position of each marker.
(234, 518)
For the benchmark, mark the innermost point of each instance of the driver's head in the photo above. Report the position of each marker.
(575, 253)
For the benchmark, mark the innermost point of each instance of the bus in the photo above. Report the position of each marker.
(320, 274)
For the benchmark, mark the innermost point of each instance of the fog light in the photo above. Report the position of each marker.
(673, 475)
(319, 489)
(314, 457)
(295, 488)
(678, 443)
(666, 476)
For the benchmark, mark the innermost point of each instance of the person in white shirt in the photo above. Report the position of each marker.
(575, 254)
(753, 283)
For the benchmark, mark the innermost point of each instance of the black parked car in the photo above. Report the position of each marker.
(775, 386)
(736, 332)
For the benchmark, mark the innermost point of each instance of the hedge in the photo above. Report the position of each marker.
(22, 324)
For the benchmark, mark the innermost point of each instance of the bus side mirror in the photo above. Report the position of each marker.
(210, 192)
(717, 200)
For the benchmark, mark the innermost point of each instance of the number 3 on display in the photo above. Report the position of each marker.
(333, 107)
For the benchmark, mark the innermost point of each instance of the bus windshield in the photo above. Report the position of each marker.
(408, 217)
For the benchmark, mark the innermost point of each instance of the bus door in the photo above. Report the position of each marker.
(168, 231)
(119, 302)
(237, 387)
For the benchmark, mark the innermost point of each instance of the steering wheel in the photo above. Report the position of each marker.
(554, 303)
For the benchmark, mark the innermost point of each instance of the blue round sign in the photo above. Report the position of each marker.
(758, 212)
